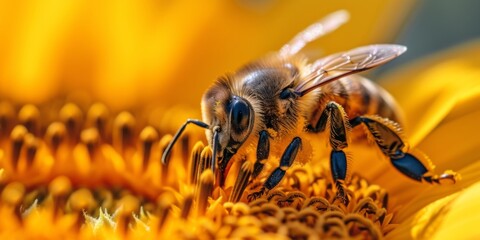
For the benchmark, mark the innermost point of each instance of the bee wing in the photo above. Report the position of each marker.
(314, 31)
(339, 65)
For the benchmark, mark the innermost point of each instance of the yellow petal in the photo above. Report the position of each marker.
(461, 222)
(442, 119)
(425, 196)
(427, 90)
(453, 215)
(452, 145)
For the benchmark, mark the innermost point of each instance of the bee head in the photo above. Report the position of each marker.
(232, 115)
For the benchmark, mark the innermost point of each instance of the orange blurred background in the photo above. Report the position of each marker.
(132, 53)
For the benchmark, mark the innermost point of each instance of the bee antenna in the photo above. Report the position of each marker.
(216, 130)
(177, 135)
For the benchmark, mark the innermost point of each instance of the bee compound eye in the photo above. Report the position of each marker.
(240, 115)
(286, 93)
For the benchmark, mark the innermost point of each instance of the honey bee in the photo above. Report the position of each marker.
(283, 90)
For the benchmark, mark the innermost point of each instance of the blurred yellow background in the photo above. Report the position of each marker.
(132, 53)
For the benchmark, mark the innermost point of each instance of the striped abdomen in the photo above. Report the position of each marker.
(358, 96)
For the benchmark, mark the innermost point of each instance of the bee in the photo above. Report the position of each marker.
(283, 91)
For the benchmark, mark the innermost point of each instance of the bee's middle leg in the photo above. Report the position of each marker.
(334, 116)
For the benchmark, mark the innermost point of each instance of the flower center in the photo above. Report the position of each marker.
(102, 174)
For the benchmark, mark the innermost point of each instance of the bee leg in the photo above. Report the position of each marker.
(334, 116)
(277, 175)
(339, 128)
(387, 136)
(263, 150)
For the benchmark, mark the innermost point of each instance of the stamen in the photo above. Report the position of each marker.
(91, 139)
(295, 199)
(241, 182)
(365, 205)
(185, 144)
(7, 116)
(123, 132)
(17, 139)
(12, 195)
(319, 203)
(29, 116)
(31, 147)
(364, 224)
(147, 137)
(334, 228)
(271, 225)
(240, 209)
(308, 217)
(72, 117)
(275, 195)
(126, 206)
(205, 159)
(195, 161)
(205, 191)
(162, 145)
(106, 198)
(165, 202)
(107, 190)
(187, 205)
(81, 200)
(55, 135)
(299, 231)
(97, 117)
(59, 189)
(32, 199)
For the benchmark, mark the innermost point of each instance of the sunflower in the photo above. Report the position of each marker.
(87, 164)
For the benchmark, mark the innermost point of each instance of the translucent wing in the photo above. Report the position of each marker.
(314, 31)
(339, 65)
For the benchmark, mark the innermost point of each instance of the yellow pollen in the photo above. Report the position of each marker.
(103, 176)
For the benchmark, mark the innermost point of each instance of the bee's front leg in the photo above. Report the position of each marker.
(277, 175)
(387, 136)
(263, 150)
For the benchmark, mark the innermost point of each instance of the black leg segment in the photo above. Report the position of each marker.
(277, 175)
(290, 153)
(386, 133)
(285, 162)
(321, 124)
(409, 166)
(334, 116)
(263, 150)
(338, 163)
(387, 136)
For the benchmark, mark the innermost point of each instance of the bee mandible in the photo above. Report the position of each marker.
(283, 90)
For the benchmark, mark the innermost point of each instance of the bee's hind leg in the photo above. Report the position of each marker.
(387, 136)
(334, 116)
(277, 175)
